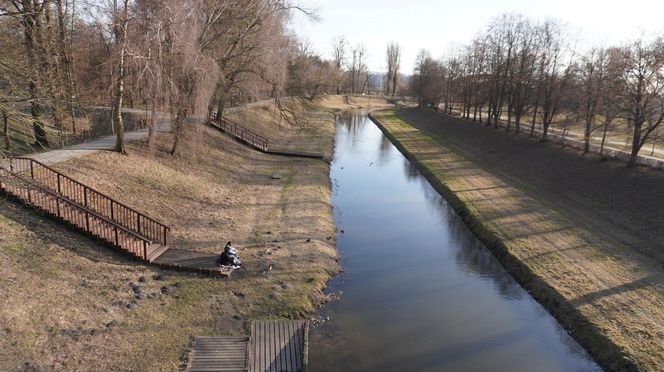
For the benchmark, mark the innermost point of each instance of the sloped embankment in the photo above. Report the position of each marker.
(70, 303)
(607, 294)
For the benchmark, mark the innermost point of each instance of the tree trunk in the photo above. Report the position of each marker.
(177, 131)
(532, 125)
(121, 36)
(152, 123)
(601, 147)
(636, 145)
(66, 61)
(28, 21)
(48, 72)
(586, 136)
(545, 127)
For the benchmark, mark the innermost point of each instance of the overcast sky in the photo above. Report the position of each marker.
(437, 25)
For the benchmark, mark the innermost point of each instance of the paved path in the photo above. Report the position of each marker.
(163, 124)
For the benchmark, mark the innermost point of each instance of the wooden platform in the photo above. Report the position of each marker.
(274, 346)
(182, 260)
(279, 345)
(295, 153)
(227, 354)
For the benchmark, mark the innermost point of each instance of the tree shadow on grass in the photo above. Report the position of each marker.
(53, 232)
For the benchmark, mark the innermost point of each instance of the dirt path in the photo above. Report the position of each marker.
(545, 215)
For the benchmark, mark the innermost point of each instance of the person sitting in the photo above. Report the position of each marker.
(229, 257)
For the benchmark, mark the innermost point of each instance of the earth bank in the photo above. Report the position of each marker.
(70, 303)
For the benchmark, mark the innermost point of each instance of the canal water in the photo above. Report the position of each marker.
(419, 292)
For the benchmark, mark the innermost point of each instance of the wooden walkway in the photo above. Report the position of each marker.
(279, 345)
(274, 346)
(254, 140)
(26, 179)
(99, 216)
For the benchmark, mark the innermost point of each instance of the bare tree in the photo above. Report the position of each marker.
(593, 73)
(642, 82)
(393, 66)
(28, 15)
(65, 54)
(339, 51)
(554, 74)
(120, 25)
(427, 80)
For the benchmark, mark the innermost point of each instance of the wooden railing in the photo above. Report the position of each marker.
(239, 132)
(90, 199)
(69, 211)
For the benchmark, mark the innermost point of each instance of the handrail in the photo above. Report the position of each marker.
(239, 132)
(92, 199)
(88, 212)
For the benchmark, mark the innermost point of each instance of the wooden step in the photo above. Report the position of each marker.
(156, 250)
(219, 354)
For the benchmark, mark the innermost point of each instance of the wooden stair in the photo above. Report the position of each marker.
(83, 208)
(254, 140)
(274, 345)
(240, 133)
(227, 354)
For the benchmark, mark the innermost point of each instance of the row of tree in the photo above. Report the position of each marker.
(519, 71)
(186, 57)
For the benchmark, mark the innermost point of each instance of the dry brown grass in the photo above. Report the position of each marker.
(609, 295)
(60, 290)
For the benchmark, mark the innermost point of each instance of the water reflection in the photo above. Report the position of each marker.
(419, 292)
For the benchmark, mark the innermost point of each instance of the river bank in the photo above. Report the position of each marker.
(605, 291)
(69, 303)
(419, 291)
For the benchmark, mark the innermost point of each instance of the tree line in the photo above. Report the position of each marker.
(188, 58)
(518, 73)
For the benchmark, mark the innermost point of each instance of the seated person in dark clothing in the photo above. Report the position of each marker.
(229, 256)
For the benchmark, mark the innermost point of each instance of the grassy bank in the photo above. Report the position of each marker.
(607, 294)
(70, 303)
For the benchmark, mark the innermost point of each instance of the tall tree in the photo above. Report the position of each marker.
(393, 65)
(339, 51)
(593, 71)
(642, 82)
(120, 23)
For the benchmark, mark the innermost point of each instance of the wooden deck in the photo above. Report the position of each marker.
(274, 346)
(279, 345)
(227, 354)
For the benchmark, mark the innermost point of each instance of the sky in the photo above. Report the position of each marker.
(438, 25)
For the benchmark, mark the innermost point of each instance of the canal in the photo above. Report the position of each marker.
(419, 292)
